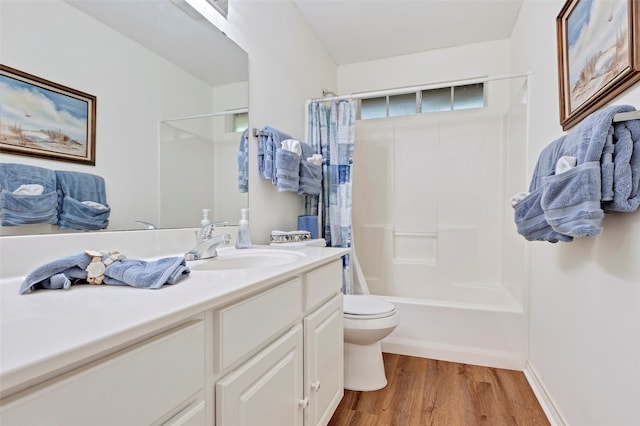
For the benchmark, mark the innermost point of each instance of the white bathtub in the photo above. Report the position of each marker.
(467, 323)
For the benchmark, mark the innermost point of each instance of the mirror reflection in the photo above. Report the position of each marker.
(199, 169)
(147, 63)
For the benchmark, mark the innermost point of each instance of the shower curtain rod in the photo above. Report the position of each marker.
(404, 90)
(210, 114)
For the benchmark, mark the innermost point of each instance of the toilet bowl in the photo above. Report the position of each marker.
(367, 320)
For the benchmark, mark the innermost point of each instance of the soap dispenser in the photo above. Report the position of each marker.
(244, 236)
(205, 217)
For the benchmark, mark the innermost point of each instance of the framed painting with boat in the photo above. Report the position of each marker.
(598, 55)
(40, 118)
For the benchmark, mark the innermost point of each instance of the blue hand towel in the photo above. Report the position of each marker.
(27, 209)
(528, 214)
(269, 140)
(62, 273)
(243, 162)
(143, 274)
(287, 170)
(531, 222)
(74, 188)
(310, 174)
(571, 201)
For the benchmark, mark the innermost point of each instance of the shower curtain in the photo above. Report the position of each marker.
(331, 132)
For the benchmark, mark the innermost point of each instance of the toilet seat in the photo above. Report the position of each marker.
(357, 306)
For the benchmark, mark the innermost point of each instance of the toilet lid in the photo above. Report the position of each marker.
(366, 305)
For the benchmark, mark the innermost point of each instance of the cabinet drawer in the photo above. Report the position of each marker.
(322, 284)
(135, 386)
(242, 328)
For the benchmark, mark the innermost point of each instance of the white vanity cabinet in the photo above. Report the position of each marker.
(280, 353)
(158, 380)
(245, 347)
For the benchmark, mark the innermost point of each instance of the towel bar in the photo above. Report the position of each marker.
(257, 133)
(626, 116)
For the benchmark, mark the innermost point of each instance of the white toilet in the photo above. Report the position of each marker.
(367, 320)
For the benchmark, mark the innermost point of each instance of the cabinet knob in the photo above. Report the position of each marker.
(304, 403)
(315, 385)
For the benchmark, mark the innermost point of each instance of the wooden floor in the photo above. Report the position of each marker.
(423, 391)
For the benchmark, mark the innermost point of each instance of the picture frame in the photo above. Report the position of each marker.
(40, 118)
(598, 55)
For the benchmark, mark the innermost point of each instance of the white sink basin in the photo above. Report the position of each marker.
(248, 259)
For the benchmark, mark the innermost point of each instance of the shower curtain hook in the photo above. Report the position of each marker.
(326, 93)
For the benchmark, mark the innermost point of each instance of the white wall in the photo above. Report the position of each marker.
(287, 65)
(135, 88)
(457, 63)
(585, 295)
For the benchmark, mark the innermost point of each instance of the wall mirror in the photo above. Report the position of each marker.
(163, 117)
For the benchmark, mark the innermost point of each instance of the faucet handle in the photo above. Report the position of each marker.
(207, 230)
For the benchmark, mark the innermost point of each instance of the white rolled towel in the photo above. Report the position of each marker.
(292, 145)
(565, 163)
(29, 189)
(315, 159)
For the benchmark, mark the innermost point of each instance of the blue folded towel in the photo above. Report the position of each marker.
(607, 168)
(626, 171)
(310, 174)
(17, 209)
(62, 273)
(572, 201)
(269, 140)
(74, 188)
(243, 162)
(287, 170)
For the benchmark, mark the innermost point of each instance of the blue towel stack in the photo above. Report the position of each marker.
(74, 188)
(63, 272)
(27, 209)
(243, 162)
(606, 176)
(269, 140)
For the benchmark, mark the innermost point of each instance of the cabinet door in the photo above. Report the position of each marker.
(323, 361)
(193, 415)
(267, 389)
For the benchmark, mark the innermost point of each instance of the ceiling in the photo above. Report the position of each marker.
(176, 32)
(352, 30)
(364, 30)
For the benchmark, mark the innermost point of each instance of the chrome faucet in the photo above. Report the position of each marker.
(207, 244)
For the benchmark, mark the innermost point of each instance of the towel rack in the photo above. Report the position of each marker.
(257, 132)
(626, 116)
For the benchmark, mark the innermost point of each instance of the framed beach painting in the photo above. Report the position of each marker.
(39, 118)
(598, 54)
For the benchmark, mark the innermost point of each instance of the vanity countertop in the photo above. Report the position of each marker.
(44, 332)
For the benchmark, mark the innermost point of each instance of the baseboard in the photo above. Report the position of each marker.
(549, 408)
(454, 353)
